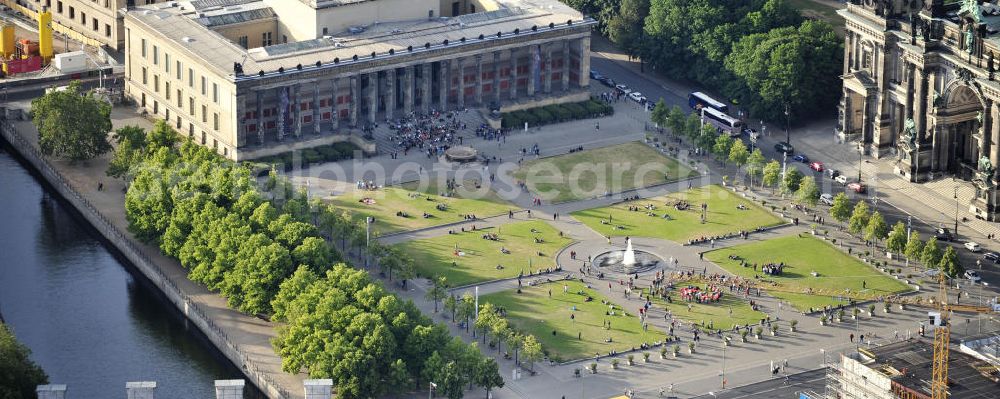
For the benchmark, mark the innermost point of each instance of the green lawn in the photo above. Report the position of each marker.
(533, 312)
(816, 10)
(715, 314)
(839, 273)
(389, 200)
(722, 216)
(591, 173)
(480, 257)
(466, 190)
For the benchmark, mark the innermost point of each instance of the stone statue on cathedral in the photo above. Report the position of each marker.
(910, 132)
(972, 8)
(985, 168)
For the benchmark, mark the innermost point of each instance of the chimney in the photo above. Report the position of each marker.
(140, 389)
(53, 391)
(229, 389)
(318, 389)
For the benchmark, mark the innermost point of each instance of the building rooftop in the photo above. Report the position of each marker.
(909, 363)
(188, 24)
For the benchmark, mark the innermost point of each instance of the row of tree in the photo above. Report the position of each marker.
(761, 54)
(270, 250)
(19, 375)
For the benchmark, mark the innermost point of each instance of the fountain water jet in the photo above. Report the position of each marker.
(628, 258)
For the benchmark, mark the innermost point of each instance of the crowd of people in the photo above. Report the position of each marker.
(432, 133)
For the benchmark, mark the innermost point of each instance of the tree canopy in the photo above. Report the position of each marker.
(19, 375)
(72, 124)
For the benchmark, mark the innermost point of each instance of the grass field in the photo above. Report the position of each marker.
(535, 313)
(715, 314)
(722, 216)
(466, 190)
(839, 274)
(389, 200)
(480, 257)
(591, 173)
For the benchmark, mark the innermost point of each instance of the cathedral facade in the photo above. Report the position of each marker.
(920, 87)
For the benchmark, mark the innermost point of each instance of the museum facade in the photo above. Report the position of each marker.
(919, 85)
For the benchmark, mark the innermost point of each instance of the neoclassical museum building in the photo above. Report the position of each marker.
(920, 86)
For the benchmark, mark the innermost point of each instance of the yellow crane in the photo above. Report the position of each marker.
(942, 337)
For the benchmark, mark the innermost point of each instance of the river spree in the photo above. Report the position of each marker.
(89, 322)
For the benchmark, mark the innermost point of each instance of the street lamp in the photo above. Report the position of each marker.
(368, 237)
(956, 207)
(861, 151)
(430, 390)
(788, 134)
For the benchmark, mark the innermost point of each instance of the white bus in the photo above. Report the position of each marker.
(698, 100)
(724, 122)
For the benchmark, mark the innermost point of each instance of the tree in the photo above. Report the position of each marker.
(19, 375)
(451, 305)
(755, 164)
(914, 247)
(692, 128)
(772, 174)
(708, 137)
(841, 208)
(438, 290)
(71, 124)
(931, 254)
(721, 146)
(487, 375)
(877, 229)
(738, 154)
(129, 152)
(466, 308)
(660, 114)
(399, 377)
(808, 191)
(948, 264)
(896, 241)
(676, 121)
(791, 182)
(451, 381)
(514, 340)
(859, 218)
(531, 350)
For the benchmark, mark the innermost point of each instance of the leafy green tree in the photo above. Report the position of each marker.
(451, 306)
(162, 135)
(514, 340)
(896, 242)
(531, 350)
(948, 264)
(72, 124)
(399, 377)
(438, 290)
(791, 182)
(19, 375)
(738, 154)
(452, 381)
(841, 208)
(693, 128)
(660, 113)
(433, 368)
(808, 191)
(261, 266)
(708, 137)
(289, 290)
(129, 151)
(877, 229)
(755, 164)
(313, 252)
(488, 375)
(914, 247)
(859, 218)
(721, 146)
(676, 121)
(626, 29)
(466, 308)
(930, 256)
(772, 174)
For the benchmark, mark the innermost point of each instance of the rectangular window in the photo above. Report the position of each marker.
(156, 55)
(156, 83)
(204, 114)
(215, 93)
(107, 30)
(203, 86)
(143, 46)
(72, 12)
(307, 119)
(178, 122)
(166, 62)
(83, 18)
(191, 130)
(215, 121)
(191, 105)
(59, 7)
(94, 24)
(167, 91)
(180, 71)
(191, 78)
(144, 81)
(180, 100)
(244, 42)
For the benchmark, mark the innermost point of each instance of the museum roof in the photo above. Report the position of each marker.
(188, 26)
(909, 363)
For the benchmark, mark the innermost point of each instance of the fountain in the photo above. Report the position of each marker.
(627, 261)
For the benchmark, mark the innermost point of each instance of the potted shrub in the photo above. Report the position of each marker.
(854, 313)
(902, 307)
(631, 360)
(812, 228)
(757, 331)
(774, 329)
(614, 364)
(645, 357)
(743, 335)
(576, 372)
(593, 368)
(822, 320)
(886, 307)
(840, 315)
(663, 352)
(792, 324)
(871, 310)
(677, 350)
(727, 341)
(691, 347)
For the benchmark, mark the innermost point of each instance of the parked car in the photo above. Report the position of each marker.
(594, 74)
(607, 81)
(943, 234)
(972, 246)
(857, 187)
(992, 256)
(817, 166)
(826, 199)
(637, 97)
(973, 276)
(784, 147)
(801, 158)
(833, 173)
(842, 179)
(623, 88)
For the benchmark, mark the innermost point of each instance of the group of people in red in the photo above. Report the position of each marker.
(712, 293)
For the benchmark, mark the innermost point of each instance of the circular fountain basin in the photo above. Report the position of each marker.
(613, 260)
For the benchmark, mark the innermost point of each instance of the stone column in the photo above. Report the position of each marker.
(140, 390)
(443, 85)
(987, 131)
(229, 389)
(315, 108)
(425, 88)
(847, 51)
(513, 75)
(496, 78)
(334, 111)
(993, 131)
(390, 92)
(532, 71)
(355, 101)
(296, 100)
(408, 90)
(565, 65)
(241, 139)
(546, 67)
(920, 99)
(260, 116)
(910, 78)
(584, 73)
(372, 96)
(460, 97)
(479, 79)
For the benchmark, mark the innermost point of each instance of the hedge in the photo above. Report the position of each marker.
(556, 113)
(327, 153)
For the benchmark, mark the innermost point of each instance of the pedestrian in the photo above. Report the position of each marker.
(852, 337)
(550, 293)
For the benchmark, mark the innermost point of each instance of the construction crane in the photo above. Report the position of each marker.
(942, 337)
